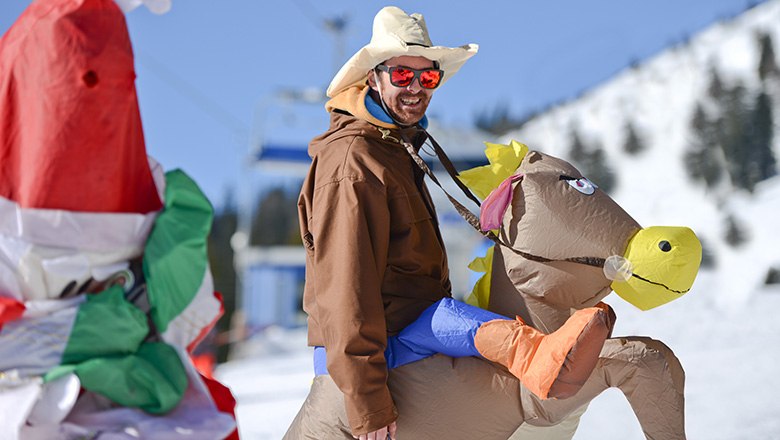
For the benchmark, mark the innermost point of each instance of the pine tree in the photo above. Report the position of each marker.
(599, 172)
(734, 135)
(715, 89)
(747, 134)
(772, 276)
(703, 159)
(275, 223)
(494, 121)
(763, 117)
(738, 139)
(223, 271)
(499, 120)
(759, 163)
(767, 66)
(577, 150)
(592, 162)
(632, 144)
(708, 259)
(736, 235)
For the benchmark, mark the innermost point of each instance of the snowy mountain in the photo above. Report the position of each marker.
(724, 331)
(658, 98)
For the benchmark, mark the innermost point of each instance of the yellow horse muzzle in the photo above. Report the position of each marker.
(663, 263)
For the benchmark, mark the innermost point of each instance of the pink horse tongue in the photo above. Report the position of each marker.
(495, 204)
(70, 128)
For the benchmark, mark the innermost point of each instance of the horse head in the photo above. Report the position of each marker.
(566, 244)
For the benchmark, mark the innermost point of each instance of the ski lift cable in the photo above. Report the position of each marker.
(206, 104)
(306, 9)
(335, 26)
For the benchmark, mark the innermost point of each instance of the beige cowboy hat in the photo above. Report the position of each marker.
(395, 34)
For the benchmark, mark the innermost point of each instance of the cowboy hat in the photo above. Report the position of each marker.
(395, 34)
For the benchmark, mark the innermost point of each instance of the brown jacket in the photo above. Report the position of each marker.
(374, 255)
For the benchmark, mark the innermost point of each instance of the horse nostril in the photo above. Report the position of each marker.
(665, 246)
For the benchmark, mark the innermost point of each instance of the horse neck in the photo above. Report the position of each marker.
(507, 300)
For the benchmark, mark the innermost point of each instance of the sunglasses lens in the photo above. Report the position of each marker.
(401, 77)
(429, 79)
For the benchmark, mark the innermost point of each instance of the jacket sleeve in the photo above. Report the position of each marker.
(351, 232)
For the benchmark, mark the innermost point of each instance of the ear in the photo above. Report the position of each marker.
(371, 77)
(494, 206)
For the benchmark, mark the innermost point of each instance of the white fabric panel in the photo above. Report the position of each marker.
(99, 232)
(199, 313)
(33, 344)
(17, 397)
(56, 401)
(43, 250)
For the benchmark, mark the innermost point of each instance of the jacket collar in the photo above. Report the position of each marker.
(378, 112)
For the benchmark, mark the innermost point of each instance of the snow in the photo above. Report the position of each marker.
(730, 357)
(724, 331)
(269, 381)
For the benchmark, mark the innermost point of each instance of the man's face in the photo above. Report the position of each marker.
(407, 104)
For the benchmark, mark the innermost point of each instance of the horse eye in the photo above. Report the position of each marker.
(582, 184)
(665, 246)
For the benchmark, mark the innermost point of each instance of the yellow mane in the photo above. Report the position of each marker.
(503, 160)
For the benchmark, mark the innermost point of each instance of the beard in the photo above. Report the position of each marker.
(409, 108)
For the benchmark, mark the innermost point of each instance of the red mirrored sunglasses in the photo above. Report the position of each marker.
(401, 76)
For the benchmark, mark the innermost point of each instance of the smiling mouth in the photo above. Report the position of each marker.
(679, 292)
(411, 102)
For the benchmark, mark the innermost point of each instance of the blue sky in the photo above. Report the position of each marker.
(210, 72)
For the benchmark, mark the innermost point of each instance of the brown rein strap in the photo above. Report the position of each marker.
(471, 218)
(447, 163)
(464, 212)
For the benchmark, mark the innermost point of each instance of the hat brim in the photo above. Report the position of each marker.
(354, 71)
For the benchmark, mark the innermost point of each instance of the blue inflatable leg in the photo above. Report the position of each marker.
(448, 327)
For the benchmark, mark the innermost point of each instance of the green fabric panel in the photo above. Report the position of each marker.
(175, 259)
(57, 372)
(153, 379)
(106, 324)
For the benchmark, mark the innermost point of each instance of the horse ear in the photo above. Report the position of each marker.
(533, 156)
(495, 205)
(503, 161)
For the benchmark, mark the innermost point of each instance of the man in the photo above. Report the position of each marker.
(379, 259)
(375, 257)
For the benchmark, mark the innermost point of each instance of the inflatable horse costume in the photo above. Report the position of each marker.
(562, 246)
(566, 245)
(104, 280)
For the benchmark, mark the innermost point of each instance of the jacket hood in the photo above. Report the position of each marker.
(353, 101)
